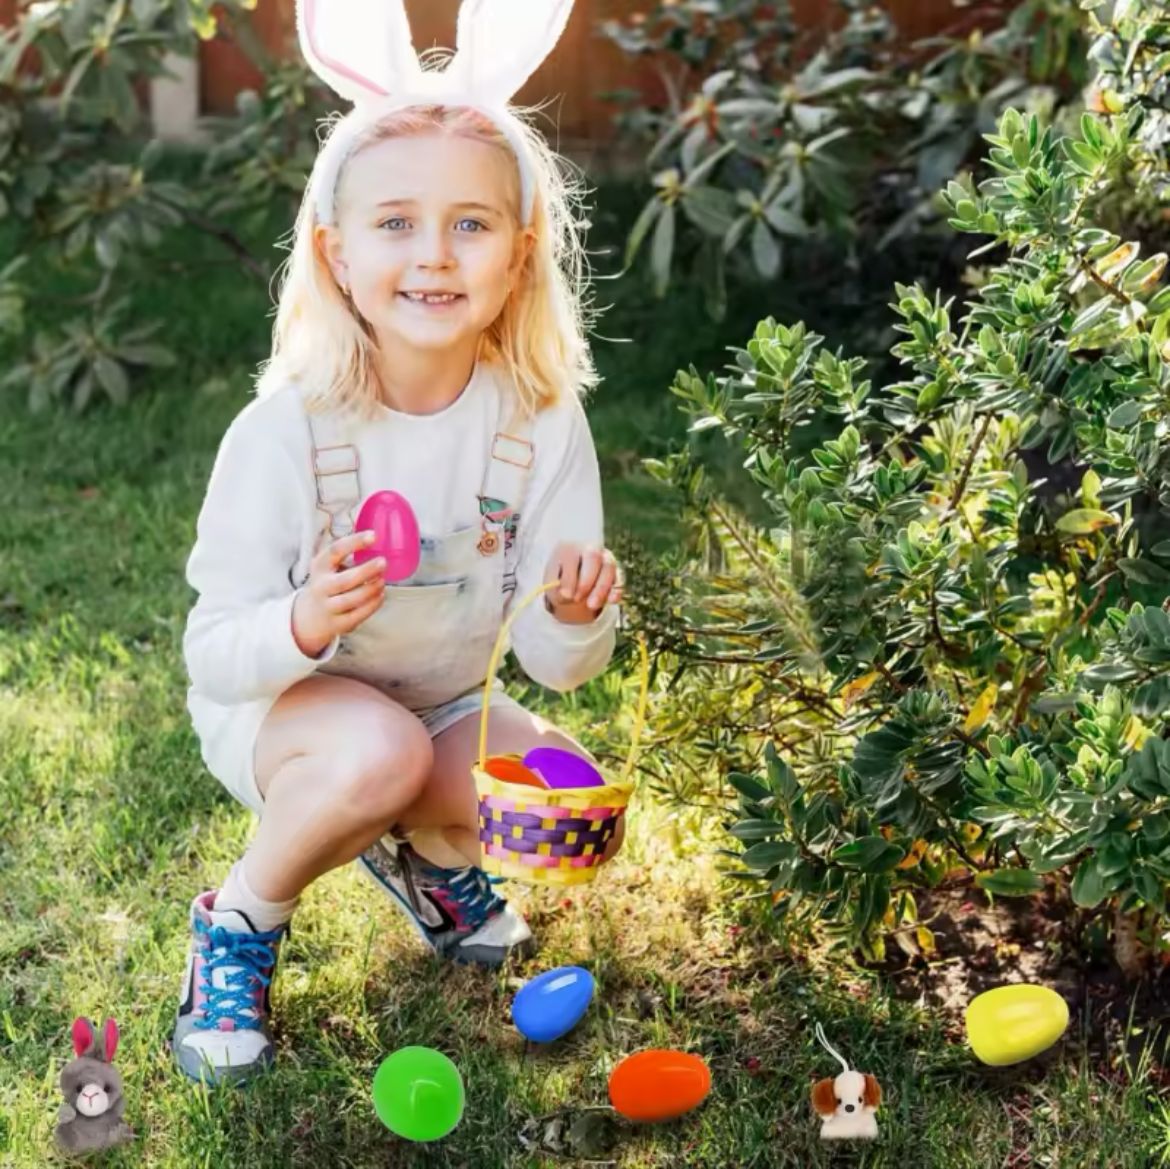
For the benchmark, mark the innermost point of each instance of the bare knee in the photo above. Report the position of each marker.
(382, 766)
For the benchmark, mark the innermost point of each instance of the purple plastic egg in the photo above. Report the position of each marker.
(388, 515)
(561, 769)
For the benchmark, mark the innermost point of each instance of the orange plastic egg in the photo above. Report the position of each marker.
(509, 769)
(656, 1085)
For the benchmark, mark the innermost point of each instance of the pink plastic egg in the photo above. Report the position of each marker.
(388, 515)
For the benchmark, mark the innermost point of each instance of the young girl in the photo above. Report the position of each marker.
(429, 340)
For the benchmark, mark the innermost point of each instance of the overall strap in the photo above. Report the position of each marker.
(504, 486)
(335, 468)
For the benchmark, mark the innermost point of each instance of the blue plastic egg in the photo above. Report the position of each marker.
(551, 1004)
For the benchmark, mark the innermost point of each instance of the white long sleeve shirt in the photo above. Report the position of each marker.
(259, 523)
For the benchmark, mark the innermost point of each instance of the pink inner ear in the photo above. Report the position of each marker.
(338, 67)
(82, 1036)
(111, 1037)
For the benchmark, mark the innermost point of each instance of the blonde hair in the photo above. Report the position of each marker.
(539, 338)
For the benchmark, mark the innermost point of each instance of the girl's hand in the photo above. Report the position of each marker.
(334, 601)
(589, 579)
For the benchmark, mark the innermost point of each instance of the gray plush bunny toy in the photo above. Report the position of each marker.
(91, 1117)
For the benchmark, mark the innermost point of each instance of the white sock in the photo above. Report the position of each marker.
(236, 893)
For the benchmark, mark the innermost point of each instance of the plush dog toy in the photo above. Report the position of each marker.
(848, 1104)
(91, 1116)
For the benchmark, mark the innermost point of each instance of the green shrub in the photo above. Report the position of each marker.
(86, 186)
(765, 145)
(926, 665)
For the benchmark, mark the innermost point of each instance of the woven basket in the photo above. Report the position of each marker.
(547, 837)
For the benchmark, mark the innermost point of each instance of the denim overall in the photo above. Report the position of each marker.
(431, 639)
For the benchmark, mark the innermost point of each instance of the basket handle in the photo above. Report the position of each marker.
(498, 650)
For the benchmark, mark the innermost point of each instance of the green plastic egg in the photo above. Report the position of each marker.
(418, 1094)
(1013, 1023)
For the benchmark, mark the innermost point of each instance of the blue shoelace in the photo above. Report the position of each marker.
(471, 890)
(251, 955)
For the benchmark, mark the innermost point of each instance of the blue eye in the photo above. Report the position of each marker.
(476, 225)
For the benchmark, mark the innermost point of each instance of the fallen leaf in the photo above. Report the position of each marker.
(981, 711)
(592, 1134)
(855, 689)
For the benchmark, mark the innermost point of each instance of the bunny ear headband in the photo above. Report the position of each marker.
(362, 49)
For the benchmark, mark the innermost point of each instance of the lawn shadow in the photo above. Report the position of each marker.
(1046, 939)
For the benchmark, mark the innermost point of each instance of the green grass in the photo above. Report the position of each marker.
(109, 824)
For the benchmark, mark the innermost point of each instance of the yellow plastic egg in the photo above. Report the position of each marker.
(1012, 1023)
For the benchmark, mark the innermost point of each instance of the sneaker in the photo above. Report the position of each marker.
(221, 1032)
(455, 911)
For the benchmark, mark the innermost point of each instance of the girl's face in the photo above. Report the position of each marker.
(427, 239)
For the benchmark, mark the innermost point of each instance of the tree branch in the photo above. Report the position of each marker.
(949, 648)
(1091, 608)
(225, 236)
(1112, 289)
(961, 486)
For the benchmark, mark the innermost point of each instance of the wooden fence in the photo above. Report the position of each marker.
(584, 66)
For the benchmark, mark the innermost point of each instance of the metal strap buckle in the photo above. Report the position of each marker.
(323, 468)
(523, 460)
(319, 469)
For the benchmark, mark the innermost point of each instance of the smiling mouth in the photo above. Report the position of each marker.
(431, 297)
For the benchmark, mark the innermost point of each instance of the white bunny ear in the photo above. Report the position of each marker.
(361, 49)
(501, 43)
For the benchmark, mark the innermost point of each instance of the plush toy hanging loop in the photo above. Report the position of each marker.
(824, 1040)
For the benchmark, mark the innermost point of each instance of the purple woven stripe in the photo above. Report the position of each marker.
(524, 845)
(532, 829)
(536, 836)
(527, 820)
